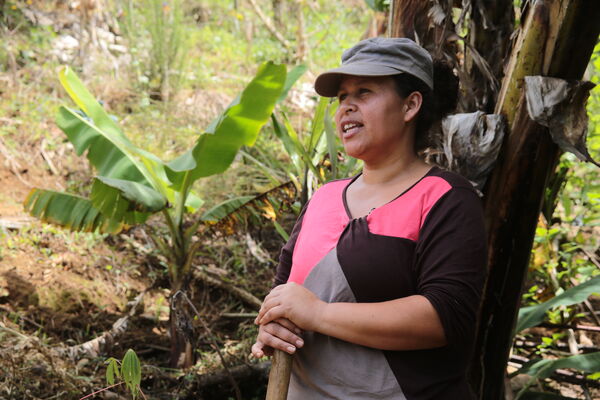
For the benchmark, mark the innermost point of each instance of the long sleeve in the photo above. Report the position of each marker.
(451, 263)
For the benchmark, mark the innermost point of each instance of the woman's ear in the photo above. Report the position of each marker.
(412, 105)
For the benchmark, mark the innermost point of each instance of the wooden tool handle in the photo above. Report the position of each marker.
(279, 377)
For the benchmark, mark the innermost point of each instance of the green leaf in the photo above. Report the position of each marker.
(317, 123)
(110, 154)
(70, 211)
(87, 103)
(291, 79)
(281, 231)
(544, 368)
(225, 208)
(111, 370)
(132, 372)
(331, 136)
(141, 197)
(289, 146)
(239, 126)
(533, 315)
(378, 5)
(308, 162)
(193, 202)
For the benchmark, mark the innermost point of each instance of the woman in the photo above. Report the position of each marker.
(378, 287)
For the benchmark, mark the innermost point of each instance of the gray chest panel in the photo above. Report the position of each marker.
(329, 368)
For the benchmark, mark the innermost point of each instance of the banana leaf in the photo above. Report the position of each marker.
(291, 79)
(111, 194)
(238, 126)
(533, 315)
(88, 103)
(225, 208)
(108, 149)
(70, 211)
(544, 368)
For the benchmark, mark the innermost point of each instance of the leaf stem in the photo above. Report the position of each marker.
(101, 390)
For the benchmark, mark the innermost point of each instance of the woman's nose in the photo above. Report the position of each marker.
(347, 106)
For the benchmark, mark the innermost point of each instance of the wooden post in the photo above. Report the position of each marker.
(279, 377)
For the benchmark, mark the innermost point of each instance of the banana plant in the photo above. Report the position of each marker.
(315, 154)
(132, 184)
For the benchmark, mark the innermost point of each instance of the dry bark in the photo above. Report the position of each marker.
(568, 31)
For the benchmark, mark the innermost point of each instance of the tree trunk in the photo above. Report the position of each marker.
(515, 191)
(559, 42)
(490, 28)
(431, 28)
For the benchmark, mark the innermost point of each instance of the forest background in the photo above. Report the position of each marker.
(165, 70)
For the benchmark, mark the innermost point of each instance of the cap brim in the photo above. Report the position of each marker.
(328, 83)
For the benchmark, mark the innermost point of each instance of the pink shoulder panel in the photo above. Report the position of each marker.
(404, 216)
(322, 225)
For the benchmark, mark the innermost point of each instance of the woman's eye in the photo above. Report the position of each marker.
(364, 91)
(342, 96)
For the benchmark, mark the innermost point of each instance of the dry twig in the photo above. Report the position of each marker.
(269, 25)
(243, 295)
(211, 337)
(98, 345)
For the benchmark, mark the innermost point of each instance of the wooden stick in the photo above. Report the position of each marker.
(279, 377)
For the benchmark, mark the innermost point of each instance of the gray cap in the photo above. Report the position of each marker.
(378, 57)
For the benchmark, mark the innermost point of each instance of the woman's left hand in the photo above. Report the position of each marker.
(294, 302)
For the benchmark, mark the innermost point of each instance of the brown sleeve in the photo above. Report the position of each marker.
(451, 263)
(284, 267)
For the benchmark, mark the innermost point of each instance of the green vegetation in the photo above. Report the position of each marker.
(165, 70)
(133, 184)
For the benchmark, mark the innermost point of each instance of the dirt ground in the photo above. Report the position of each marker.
(59, 289)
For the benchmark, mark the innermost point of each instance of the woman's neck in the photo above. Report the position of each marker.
(393, 169)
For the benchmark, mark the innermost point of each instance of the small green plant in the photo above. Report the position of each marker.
(128, 371)
(133, 184)
(315, 154)
(156, 35)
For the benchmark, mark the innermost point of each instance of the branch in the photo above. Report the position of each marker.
(574, 327)
(269, 25)
(242, 294)
(99, 345)
(211, 337)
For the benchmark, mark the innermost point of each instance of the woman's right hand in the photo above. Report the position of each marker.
(280, 334)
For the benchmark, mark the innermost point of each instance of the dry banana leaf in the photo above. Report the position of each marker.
(560, 105)
(471, 143)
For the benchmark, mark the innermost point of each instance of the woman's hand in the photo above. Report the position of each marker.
(281, 334)
(293, 302)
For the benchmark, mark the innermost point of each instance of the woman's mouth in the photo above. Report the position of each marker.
(350, 128)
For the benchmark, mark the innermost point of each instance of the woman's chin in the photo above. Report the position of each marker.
(353, 151)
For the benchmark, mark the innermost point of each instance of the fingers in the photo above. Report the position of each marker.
(269, 302)
(259, 350)
(277, 336)
(273, 314)
(286, 323)
(283, 333)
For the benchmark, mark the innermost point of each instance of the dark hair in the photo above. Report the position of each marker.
(436, 104)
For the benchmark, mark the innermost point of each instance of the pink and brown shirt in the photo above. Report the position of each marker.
(429, 241)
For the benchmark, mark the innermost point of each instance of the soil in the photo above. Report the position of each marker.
(60, 289)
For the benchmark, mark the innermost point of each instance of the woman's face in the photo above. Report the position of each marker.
(371, 117)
